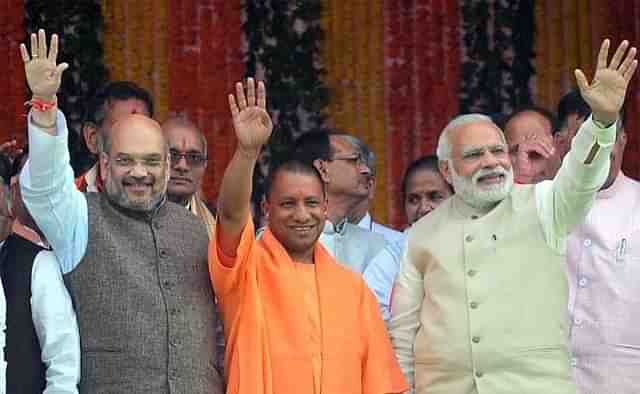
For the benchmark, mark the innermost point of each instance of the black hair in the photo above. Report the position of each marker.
(428, 162)
(572, 103)
(312, 145)
(5, 168)
(19, 161)
(294, 166)
(98, 105)
(545, 113)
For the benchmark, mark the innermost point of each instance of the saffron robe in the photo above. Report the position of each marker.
(267, 325)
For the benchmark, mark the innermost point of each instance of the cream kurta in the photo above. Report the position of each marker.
(479, 305)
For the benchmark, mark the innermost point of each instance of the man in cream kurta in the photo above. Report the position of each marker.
(480, 305)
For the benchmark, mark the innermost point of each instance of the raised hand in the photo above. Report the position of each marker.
(605, 94)
(43, 73)
(530, 160)
(251, 121)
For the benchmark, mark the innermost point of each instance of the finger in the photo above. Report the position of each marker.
(619, 55)
(53, 50)
(24, 53)
(34, 45)
(630, 71)
(262, 95)
(233, 106)
(251, 92)
(7, 146)
(583, 85)
(242, 101)
(61, 68)
(42, 47)
(631, 55)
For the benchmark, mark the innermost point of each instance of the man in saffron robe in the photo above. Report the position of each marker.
(295, 320)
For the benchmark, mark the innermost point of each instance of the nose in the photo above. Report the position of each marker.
(425, 207)
(301, 214)
(489, 160)
(181, 164)
(139, 170)
(364, 168)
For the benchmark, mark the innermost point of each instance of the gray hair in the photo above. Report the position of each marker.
(444, 147)
(183, 120)
(368, 156)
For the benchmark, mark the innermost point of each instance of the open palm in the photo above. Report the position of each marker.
(251, 121)
(42, 72)
(606, 93)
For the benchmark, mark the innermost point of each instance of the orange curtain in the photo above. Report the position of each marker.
(393, 70)
(569, 34)
(136, 46)
(205, 60)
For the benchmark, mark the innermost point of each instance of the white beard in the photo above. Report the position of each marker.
(486, 197)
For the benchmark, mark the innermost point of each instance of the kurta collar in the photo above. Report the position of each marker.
(467, 211)
(330, 228)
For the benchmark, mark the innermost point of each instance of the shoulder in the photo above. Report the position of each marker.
(46, 265)
(389, 233)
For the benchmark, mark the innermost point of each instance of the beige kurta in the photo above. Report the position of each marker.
(479, 305)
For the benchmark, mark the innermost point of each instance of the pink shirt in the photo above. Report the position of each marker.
(604, 302)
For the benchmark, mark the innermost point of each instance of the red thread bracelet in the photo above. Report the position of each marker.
(42, 105)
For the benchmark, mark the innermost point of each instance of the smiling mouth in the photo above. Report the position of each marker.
(137, 187)
(302, 229)
(491, 178)
(180, 180)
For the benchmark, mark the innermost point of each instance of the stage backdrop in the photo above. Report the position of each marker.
(392, 72)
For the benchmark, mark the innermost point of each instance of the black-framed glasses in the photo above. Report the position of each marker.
(193, 159)
(355, 158)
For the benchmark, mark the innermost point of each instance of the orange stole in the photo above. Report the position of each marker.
(267, 327)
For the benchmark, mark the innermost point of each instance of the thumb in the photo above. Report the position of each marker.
(582, 81)
(61, 68)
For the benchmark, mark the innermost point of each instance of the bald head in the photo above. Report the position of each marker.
(135, 163)
(134, 130)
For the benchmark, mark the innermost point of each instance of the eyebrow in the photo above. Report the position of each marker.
(470, 149)
(143, 156)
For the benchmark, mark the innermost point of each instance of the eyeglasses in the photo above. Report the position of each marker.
(193, 159)
(129, 162)
(355, 158)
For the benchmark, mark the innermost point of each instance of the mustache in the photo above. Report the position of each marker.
(135, 181)
(483, 172)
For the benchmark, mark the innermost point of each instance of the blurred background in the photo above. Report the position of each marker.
(392, 72)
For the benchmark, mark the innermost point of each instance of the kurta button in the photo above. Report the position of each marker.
(469, 238)
(474, 217)
(587, 242)
(156, 225)
(472, 272)
(173, 311)
(163, 253)
(473, 305)
(479, 374)
(476, 339)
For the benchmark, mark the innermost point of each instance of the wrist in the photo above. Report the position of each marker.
(248, 153)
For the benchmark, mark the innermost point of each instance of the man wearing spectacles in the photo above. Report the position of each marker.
(188, 157)
(347, 176)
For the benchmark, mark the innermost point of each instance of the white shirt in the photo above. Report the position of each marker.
(390, 234)
(56, 326)
(604, 281)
